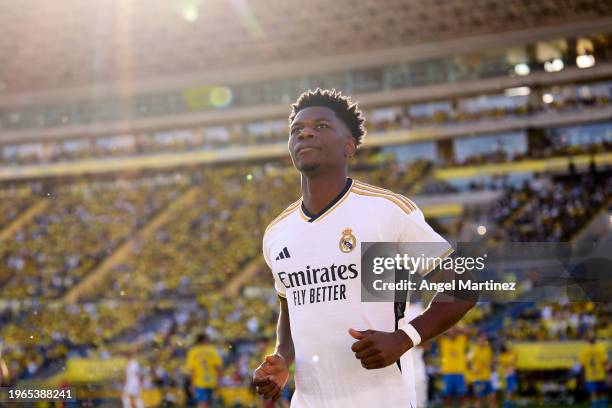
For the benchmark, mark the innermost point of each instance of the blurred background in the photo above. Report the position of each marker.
(143, 153)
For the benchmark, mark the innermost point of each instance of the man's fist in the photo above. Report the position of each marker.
(271, 376)
(378, 349)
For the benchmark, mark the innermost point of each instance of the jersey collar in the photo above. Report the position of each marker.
(310, 217)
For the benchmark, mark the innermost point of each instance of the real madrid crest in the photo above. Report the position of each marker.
(348, 242)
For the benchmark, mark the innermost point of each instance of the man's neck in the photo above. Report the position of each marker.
(319, 190)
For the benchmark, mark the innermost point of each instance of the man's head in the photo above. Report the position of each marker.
(325, 129)
(202, 338)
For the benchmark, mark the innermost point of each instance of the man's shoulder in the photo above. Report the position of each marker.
(201, 349)
(210, 349)
(382, 198)
(283, 215)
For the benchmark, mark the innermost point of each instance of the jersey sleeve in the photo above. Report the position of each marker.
(280, 289)
(217, 360)
(189, 361)
(278, 286)
(409, 226)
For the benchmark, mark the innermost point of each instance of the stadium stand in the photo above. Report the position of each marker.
(146, 276)
(76, 231)
(393, 118)
(557, 211)
(12, 207)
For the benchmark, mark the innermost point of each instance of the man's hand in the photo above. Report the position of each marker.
(271, 376)
(378, 349)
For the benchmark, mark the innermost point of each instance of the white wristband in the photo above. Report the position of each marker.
(412, 333)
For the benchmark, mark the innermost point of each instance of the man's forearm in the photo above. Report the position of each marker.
(284, 341)
(439, 317)
(446, 308)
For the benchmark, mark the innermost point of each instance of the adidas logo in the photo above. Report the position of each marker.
(283, 254)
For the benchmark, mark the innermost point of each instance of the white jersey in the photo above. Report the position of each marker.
(419, 368)
(132, 378)
(315, 261)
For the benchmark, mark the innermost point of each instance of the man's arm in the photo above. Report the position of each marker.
(378, 349)
(140, 376)
(271, 376)
(446, 308)
(4, 373)
(284, 341)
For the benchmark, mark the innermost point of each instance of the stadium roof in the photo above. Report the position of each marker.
(66, 43)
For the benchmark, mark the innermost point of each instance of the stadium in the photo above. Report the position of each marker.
(144, 153)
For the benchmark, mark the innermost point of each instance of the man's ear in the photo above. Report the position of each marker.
(351, 147)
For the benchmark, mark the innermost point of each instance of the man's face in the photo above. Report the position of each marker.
(319, 140)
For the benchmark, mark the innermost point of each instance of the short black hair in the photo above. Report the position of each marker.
(201, 338)
(347, 111)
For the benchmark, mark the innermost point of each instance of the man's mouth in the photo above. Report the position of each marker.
(305, 149)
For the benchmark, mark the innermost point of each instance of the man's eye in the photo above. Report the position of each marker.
(295, 131)
(322, 125)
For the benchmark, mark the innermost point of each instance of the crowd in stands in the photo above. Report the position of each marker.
(553, 212)
(582, 96)
(439, 186)
(565, 97)
(78, 228)
(13, 203)
(101, 218)
(35, 335)
(171, 284)
(379, 120)
(559, 321)
(188, 255)
(512, 199)
(553, 143)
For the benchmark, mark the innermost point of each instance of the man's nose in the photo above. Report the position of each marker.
(307, 132)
